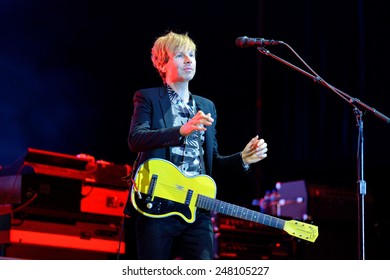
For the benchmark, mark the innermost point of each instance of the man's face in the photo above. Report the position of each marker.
(181, 66)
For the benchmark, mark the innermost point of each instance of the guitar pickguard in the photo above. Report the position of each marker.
(161, 207)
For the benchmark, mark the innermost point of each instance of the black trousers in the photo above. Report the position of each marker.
(173, 238)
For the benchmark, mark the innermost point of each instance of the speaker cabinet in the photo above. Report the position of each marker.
(241, 239)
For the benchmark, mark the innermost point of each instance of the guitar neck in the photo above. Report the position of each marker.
(229, 209)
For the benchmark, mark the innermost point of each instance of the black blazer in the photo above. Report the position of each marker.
(152, 133)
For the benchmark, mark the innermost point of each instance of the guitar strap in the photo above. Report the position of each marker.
(129, 178)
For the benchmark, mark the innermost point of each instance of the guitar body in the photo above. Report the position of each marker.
(166, 191)
(160, 190)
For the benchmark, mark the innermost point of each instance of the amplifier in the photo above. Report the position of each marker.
(51, 193)
(253, 246)
(80, 236)
(241, 239)
(334, 203)
(105, 201)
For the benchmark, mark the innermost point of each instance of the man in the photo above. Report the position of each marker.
(171, 123)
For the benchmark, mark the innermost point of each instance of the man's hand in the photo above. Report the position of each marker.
(254, 151)
(197, 123)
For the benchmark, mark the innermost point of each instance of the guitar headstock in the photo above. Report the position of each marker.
(301, 230)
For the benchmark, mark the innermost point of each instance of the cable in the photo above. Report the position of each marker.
(120, 237)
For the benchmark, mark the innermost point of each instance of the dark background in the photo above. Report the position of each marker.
(69, 69)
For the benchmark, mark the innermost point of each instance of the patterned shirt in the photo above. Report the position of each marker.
(186, 156)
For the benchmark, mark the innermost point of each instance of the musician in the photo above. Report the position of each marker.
(172, 123)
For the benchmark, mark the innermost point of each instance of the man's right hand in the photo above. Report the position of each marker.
(197, 123)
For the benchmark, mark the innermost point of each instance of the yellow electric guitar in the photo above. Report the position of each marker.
(160, 189)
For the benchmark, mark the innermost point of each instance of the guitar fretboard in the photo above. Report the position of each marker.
(229, 209)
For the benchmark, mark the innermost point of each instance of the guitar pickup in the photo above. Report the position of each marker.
(188, 197)
(152, 185)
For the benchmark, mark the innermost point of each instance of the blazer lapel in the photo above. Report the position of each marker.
(165, 104)
(209, 135)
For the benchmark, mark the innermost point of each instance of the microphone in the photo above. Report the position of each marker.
(244, 42)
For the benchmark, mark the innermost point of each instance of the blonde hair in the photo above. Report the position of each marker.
(171, 42)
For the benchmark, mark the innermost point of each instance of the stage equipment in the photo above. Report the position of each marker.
(359, 109)
(60, 201)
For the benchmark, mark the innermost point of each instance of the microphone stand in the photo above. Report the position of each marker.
(358, 107)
